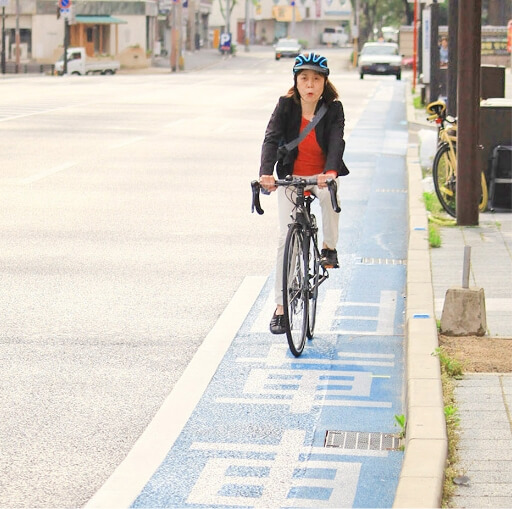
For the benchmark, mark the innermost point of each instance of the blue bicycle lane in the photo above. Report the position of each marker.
(274, 431)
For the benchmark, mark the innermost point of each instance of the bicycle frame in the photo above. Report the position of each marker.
(448, 136)
(303, 217)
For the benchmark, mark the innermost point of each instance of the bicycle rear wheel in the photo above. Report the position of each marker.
(444, 175)
(313, 283)
(295, 289)
(445, 181)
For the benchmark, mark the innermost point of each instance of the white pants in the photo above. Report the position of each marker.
(286, 210)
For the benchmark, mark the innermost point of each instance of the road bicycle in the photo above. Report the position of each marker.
(302, 271)
(444, 166)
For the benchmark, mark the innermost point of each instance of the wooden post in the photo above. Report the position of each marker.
(451, 84)
(434, 51)
(468, 93)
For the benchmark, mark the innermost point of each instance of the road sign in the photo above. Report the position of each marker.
(4, 3)
(225, 41)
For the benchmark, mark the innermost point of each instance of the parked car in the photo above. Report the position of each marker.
(334, 36)
(390, 34)
(380, 58)
(78, 63)
(287, 48)
(407, 62)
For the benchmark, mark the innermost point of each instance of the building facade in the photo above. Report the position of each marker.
(273, 19)
(102, 27)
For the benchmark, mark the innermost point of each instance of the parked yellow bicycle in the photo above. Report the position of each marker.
(444, 167)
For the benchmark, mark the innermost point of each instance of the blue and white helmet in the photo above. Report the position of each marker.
(311, 61)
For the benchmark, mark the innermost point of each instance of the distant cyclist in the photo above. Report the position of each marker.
(320, 154)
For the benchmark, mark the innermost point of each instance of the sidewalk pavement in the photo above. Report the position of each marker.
(484, 401)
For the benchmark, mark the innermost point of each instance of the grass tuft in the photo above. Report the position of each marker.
(451, 369)
(434, 235)
(416, 101)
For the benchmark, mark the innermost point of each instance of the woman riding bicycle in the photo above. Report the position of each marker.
(319, 154)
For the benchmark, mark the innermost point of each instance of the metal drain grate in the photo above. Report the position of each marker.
(362, 440)
(383, 261)
(391, 190)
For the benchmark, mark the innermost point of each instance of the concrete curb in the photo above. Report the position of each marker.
(426, 447)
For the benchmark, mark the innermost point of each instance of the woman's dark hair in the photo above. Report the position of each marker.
(329, 94)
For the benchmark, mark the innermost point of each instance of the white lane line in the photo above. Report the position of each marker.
(175, 123)
(41, 112)
(127, 142)
(150, 450)
(47, 173)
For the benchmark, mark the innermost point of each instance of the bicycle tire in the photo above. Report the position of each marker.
(445, 182)
(295, 289)
(313, 283)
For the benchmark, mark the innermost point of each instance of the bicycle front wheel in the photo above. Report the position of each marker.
(313, 283)
(295, 289)
(445, 180)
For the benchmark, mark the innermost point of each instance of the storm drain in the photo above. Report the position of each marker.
(383, 261)
(390, 190)
(362, 440)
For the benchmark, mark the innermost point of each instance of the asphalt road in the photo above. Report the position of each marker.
(125, 229)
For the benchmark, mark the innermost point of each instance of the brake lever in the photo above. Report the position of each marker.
(255, 185)
(333, 188)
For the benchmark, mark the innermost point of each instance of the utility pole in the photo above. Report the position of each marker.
(181, 61)
(355, 35)
(451, 83)
(17, 36)
(66, 44)
(415, 46)
(191, 23)
(468, 92)
(293, 19)
(434, 51)
(174, 37)
(228, 15)
(3, 3)
(247, 25)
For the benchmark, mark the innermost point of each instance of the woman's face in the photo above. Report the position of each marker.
(310, 85)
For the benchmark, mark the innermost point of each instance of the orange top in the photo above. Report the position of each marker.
(310, 159)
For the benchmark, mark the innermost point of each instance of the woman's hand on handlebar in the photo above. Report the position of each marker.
(324, 177)
(268, 182)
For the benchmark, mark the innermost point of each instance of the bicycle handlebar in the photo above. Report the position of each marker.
(297, 182)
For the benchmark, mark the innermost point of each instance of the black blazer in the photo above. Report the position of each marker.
(284, 126)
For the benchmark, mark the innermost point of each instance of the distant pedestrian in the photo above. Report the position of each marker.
(443, 52)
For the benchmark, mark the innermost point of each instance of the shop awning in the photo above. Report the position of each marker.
(284, 13)
(99, 20)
